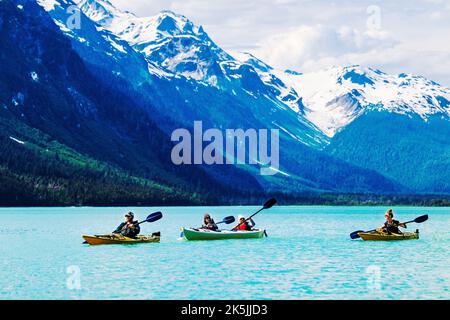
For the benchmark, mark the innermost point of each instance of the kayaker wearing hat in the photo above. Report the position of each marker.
(391, 225)
(129, 228)
(244, 225)
(208, 223)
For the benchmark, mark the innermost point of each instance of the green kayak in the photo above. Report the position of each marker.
(203, 234)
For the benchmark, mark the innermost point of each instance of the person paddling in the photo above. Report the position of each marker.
(208, 223)
(129, 228)
(391, 225)
(244, 225)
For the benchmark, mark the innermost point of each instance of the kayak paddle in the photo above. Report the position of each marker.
(227, 220)
(150, 218)
(421, 219)
(153, 217)
(269, 204)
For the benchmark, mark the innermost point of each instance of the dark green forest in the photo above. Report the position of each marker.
(43, 172)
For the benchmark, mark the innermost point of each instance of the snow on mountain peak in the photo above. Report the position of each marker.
(169, 40)
(250, 59)
(48, 4)
(336, 96)
(330, 99)
(176, 24)
(101, 11)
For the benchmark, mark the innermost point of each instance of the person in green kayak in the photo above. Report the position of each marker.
(391, 225)
(244, 225)
(208, 223)
(129, 228)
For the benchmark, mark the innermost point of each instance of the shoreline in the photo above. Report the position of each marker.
(220, 206)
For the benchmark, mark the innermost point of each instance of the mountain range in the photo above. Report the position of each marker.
(89, 99)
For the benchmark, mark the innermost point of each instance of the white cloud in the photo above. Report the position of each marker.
(407, 35)
(305, 45)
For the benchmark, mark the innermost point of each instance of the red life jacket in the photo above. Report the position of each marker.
(243, 227)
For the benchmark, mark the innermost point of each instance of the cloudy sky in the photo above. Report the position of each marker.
(411, 36)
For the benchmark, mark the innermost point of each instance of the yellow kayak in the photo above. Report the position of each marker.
(119, 239)
(377, 236)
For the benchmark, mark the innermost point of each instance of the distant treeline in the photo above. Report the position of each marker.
(367, 200)
(26, 190)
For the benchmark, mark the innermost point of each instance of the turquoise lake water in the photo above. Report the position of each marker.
(308, 255)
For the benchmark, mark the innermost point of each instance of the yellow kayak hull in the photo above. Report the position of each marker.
(118, 239)
(376, 236)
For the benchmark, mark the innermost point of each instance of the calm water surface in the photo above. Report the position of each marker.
(308, 255)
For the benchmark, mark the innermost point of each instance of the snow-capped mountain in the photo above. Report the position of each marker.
(330, 99)
(96, 44)
(169, 40)
(337, 96)
(328, 118)
(181, 48)
(174, 47)
(327, 100)
(286, 94)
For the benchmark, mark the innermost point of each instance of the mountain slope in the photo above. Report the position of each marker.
(180, 49)
(45, 86)
(242, 100)
(111, 99)
(397, 125)
(337, 96)
(407, 149)
(40, 171)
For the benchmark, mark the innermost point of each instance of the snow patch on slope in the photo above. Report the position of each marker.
(48, 4)
(17, 140)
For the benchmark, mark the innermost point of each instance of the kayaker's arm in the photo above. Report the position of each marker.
(119, 228)
(133, 226)
(214, 225)
(251, 223)
(137, 228)
(124, 226)
(399, 224)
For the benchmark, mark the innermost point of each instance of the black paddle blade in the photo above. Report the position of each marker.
(229, 220)
(154, 217)
(355, 235)
(270, 203)
(421, 219)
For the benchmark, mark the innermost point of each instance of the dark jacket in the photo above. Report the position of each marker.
(211, 226)
(128, 232)
(392, 227)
